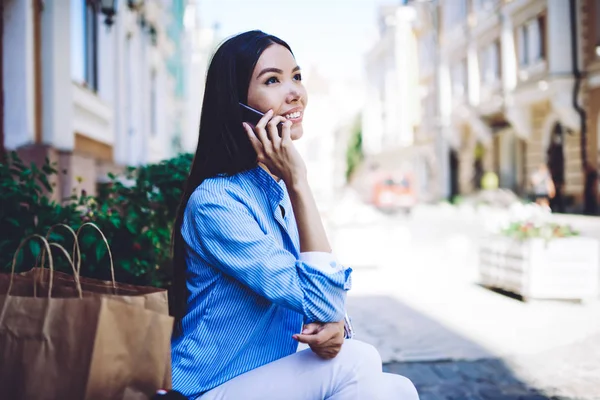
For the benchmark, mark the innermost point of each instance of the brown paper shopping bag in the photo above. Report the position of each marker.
(154, 299)
(81, 347)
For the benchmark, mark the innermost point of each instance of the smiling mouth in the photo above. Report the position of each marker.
(293, 116)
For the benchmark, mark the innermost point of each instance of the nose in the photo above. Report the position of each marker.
(293, 95)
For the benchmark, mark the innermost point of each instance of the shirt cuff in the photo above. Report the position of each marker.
(348, 329)
(323, 261)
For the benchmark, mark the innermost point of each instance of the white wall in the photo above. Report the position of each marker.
(18, 73)
(56, 75)
(508, 54)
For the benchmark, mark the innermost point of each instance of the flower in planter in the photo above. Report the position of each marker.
(523, 230)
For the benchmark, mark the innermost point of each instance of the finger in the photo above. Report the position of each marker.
(311, 339)
(274, 131)
(263, 138)
(256, 144)
(311, 329)
(262, 123)
(317, 339)
(261, 132)
(286, 132)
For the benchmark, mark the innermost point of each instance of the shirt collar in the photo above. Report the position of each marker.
(275, 190)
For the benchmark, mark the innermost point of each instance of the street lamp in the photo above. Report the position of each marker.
(135, 4)
(109, 9)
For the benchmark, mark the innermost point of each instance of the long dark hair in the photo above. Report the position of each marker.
(223, 146)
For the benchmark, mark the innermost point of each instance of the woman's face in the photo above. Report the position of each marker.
(276, 84)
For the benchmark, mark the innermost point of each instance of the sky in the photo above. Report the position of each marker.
(330, 35)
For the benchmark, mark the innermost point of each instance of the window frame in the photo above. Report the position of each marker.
(90, 45)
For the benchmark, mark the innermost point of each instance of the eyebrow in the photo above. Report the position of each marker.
(276, 70)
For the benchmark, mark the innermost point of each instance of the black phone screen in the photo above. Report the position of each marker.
(250, 115)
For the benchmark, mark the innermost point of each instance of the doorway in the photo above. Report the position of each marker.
(454, 174)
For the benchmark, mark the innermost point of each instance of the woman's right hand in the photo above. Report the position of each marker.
(277, 153)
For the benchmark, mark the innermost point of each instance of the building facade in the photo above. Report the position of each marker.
(517, 88)
(390, 113)
(93, 91)
(590, 58)
(434, 172)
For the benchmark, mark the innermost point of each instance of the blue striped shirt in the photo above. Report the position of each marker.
(250, 287)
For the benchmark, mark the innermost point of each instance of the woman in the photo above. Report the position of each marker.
(253, 270)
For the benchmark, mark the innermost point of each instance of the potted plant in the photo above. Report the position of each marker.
(540, 260)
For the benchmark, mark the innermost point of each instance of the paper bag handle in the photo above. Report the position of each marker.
(76, 249)
(112, 267)
(75, 274)
(76, 252)
(50, 261)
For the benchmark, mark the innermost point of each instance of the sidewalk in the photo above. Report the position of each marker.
(416, 299)
(556, 375)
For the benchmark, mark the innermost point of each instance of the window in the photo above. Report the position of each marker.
(531, 41)
(454, 13)
(523, 45)
(489, 63)
(541, 25)
(84, 43)
(536, 35)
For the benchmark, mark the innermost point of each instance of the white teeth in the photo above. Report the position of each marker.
(293, 115)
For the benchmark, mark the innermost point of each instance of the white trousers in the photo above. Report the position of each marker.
(354, 374)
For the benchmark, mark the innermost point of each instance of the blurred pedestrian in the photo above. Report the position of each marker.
(253, 269)
(542, 185)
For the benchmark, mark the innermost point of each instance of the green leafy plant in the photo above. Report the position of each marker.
(135, 211)
(522, 230)
(26, 209)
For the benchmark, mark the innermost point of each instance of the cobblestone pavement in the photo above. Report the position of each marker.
(487, 379)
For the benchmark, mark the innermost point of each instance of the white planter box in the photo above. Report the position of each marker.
(564, 268)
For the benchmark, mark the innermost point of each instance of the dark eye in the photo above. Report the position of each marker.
(271, 80)
(298, 77)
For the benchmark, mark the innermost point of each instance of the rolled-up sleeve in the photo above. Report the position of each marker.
(230, 238)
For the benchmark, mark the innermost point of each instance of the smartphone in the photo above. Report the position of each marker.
(252, 116)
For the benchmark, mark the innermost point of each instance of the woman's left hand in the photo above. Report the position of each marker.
(325, 340)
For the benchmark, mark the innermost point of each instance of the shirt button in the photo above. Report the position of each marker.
(333, 264)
